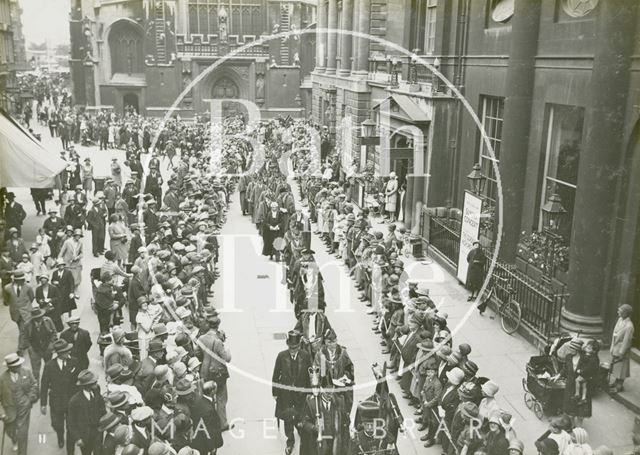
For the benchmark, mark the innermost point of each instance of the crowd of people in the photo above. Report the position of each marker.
(163, 353)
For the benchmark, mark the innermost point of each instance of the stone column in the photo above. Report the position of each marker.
(347, 24)
(517, 120)
(361, 56)
(321, 37)
(600, 169)
(332, 24)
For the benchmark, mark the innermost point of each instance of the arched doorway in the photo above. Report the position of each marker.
(130, 101)
(126, 48)
(226, 88)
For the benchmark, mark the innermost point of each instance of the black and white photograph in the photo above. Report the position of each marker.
(319, 227)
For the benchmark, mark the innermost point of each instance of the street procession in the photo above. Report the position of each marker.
(211, 246)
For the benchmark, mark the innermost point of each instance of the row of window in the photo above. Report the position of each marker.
(562, 143)
(241, 19)
(423, 19)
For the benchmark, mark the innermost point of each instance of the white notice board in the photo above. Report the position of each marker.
(469, 232)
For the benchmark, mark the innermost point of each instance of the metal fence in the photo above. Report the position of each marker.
(444, 238)
(540, 308)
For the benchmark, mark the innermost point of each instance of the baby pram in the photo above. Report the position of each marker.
(543, 386)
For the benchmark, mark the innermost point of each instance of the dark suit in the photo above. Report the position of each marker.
(14, 215)
(96, 219)
(204, 416)
(335, 434)
(16, 399)
(81, 341)
(289, 403)
(40, 334)
(141, 441)
(136, 289)
(19, 309)
(55, 300)
(57, 387)
(408, 353)
(66, 285)
(107, 444)
(82, 420)
(16, 250)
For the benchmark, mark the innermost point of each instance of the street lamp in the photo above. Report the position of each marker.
(392, 69)
(553, 213)
(413, 67)
(435, 80)
(368, 128)
(477, 179)
(368, 139)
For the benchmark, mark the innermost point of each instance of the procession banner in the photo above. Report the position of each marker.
(469, 232)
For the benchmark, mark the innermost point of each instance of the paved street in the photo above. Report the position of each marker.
(256, 316)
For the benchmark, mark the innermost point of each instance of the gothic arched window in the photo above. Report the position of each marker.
(125, 44)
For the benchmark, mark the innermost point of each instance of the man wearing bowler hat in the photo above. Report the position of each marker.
(144, 378)
(18, 296)
(291, 370)
(40, 333)
(18, 392)
(14, 214)
(86, 407)
(57, 386)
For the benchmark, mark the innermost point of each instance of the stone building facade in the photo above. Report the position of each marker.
(145, 53)
(554, 84)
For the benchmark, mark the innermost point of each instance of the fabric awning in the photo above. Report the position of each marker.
(24, 162)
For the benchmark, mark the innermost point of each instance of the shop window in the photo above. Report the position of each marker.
(563, 144)
(492, 109)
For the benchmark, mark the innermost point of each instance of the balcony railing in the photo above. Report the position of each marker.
(210, 46)
(540, 308)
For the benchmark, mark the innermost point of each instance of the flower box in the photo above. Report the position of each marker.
(562, 276)
(521, 264)
(534, 273)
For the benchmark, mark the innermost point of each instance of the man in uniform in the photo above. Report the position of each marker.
(324, 426)
(58, 385)
(336, 368)
(291, 370)
(18, 392)
(370, 436)
(313, 324)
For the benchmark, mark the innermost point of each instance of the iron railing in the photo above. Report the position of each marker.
(445, 239)
(541, 308)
